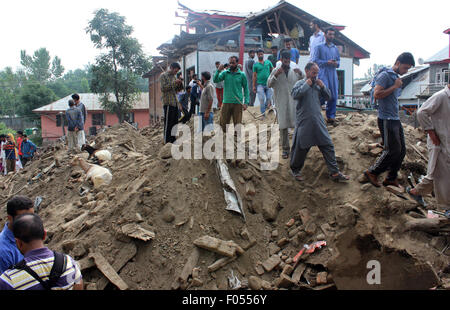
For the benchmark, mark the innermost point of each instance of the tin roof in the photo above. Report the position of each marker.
(442, 55)
(91, 102)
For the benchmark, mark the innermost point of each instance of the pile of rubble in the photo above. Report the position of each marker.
(162, 223)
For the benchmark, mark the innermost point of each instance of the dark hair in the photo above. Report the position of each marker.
(288, 40)
(2, 136)
(285, 54)
(71, 103)
(274, 47)
(406, 59)
(330, 29)
(316, 22)
(195, 75)
(206, 75)
(251, 51)
(188, 87)
(25, 136)
(28, 227)
(309, 65)
(76, 97)
(260, 51)
(18, 203)
(175, 65)
(20, 132)
(235, 57)
(217, 62)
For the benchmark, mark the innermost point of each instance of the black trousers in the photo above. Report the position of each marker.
(394, 149)
(170, 120)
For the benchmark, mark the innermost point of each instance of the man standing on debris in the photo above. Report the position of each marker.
(327, 57)
(19, 141)
(274, 57)
(81, 135)
(295, 54)
(9, 253)
(388, 87)
(10, 154)
(261, 72)
(74, 118)
(249, 73)
(183, 98)
(310, 127)
(219, 88)
(235, 93)
(316, 39)
(3, 157)
(28, 149)
(282, 80)
(434, 117)
(169, 85)
(40, 269)
(206, 100)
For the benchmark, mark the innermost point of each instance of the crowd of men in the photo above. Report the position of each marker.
(25, 263)
(15, 152)
(298, 98)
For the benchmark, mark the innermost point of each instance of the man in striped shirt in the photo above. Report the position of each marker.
(29, 232)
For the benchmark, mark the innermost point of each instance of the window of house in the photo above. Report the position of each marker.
(341, 86)
(98, 119)
(129, 117)
(59, 118)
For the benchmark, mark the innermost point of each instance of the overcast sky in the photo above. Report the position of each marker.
(385, 28)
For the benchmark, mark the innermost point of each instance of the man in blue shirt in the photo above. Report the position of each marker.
(9, 253)
(295, 53)
(327, 57)
(316, 39)
(388, 87)
(28, 149)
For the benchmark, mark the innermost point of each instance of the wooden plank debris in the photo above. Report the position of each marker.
(108, 271)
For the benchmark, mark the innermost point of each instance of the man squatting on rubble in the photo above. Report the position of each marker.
(311, 129)
(434, 116)
(40, 269)
(388, 87)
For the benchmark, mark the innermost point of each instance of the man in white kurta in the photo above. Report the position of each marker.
(282, 80)
(434, 117)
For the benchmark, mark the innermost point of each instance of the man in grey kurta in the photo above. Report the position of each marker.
(434, 117)
(310, 129)
(249, 74)
(282, 80)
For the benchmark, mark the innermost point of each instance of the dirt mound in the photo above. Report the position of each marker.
(162, 223)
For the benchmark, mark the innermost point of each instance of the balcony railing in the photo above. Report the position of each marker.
(428, 90)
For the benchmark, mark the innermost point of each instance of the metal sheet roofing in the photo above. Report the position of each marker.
(92, 103)
(440, 56)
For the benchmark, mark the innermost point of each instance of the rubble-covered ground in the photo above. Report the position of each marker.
(162, 223)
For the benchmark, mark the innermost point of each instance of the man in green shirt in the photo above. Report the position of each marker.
(261, 73)
(235, 92)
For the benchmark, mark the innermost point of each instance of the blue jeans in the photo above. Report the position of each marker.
(209, 121)
(264, 96)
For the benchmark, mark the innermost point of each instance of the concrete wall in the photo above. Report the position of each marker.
(51, 132)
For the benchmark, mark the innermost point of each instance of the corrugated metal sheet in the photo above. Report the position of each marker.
(92, 103)
(413, 89)
(441, 56)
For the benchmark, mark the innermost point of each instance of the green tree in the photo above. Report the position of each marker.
(34, 96)
(10, 85)
(119, 69)
(38, 66)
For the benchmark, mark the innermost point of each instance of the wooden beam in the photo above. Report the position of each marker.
(287, 30)
(268, 25)
(277, 22)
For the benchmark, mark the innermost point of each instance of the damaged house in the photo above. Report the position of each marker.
(212, 36)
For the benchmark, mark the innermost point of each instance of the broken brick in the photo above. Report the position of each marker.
(271, 263)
